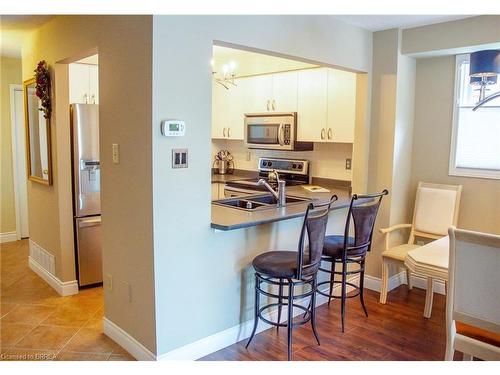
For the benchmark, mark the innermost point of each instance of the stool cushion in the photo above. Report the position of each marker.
(277, 263)
(333, 246)
(480, 334)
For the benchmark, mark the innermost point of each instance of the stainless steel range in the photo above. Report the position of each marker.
(293, 172)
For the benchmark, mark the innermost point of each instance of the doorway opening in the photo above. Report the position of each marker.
(19, 169)
(84, 121)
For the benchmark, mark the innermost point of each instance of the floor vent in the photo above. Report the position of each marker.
(43, 258)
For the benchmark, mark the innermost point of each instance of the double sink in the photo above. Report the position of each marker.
(258, 202)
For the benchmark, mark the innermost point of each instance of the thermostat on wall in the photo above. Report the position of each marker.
(173, 128)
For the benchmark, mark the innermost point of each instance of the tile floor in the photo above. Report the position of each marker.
(36, 323)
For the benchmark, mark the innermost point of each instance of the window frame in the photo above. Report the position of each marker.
(453, 169)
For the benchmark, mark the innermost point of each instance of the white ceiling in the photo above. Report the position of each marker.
(13, 30)
(251, 63)
(384, 22)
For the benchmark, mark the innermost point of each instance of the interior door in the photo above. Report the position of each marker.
(19, 139)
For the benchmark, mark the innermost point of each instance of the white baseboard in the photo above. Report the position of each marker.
(421, 282)
(8, 237)
(43, 264)
(374, 283)
(223, 339)
(131, 345)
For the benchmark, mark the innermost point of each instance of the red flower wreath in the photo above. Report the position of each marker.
(42, 77)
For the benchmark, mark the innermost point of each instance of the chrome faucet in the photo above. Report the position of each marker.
(280, 194)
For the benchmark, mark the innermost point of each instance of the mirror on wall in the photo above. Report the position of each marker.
(37, 137)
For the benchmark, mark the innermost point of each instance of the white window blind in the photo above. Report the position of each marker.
(476, 134)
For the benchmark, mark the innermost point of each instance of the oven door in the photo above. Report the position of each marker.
(268, 132)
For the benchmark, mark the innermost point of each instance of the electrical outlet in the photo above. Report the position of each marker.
(109, 282)
(348, 164)
(249, 155)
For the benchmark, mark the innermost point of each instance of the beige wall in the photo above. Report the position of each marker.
(10, 73)
(480, 204)
(482, 32)
(125, 61)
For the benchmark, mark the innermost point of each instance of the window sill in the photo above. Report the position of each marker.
(475, 173)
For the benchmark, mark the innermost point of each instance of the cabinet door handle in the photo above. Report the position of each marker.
(228, 134)
(323, 133)
(274, 105)
(268, 104)
(224, 132)
(93, 99)
(330, 133)
(86, 98)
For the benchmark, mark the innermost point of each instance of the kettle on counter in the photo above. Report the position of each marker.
(223, 163)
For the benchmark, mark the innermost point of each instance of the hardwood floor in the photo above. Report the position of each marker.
(36, 323)
(394, 331)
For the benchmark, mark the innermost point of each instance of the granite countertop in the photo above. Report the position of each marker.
(228, 218)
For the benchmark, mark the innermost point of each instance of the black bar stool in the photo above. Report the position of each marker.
(344, 250)
(291, 269)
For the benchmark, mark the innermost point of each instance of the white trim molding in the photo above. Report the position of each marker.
(130, 344)
(8, 237)
(43, 264)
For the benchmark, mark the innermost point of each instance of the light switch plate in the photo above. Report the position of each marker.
(116, 153)
(179, 158)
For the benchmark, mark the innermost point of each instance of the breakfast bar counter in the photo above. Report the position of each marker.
(230, 218)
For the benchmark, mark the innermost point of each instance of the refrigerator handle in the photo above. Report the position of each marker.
(89, 223)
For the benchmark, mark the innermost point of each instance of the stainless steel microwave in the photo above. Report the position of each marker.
(273, 131)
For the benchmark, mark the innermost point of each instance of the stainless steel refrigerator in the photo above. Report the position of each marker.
(86, 192)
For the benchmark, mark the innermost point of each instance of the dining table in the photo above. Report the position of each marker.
(430, 261)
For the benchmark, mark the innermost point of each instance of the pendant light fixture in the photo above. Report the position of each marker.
(484, 68)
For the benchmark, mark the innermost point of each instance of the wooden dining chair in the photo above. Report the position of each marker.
(436, 209)
(472, 301)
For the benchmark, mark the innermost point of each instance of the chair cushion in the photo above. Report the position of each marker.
(480, 334)
(399, 252)
(333, 246)
(276, 263)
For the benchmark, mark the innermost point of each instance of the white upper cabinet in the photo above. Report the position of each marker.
(284, 95)
(312, 105)
(254, 93)
(341, 106)
(325, 100)
(94, 84)
(219, 111)
(83, 83)
(227, 112)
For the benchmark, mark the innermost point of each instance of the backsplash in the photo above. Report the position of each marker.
(327, 160)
